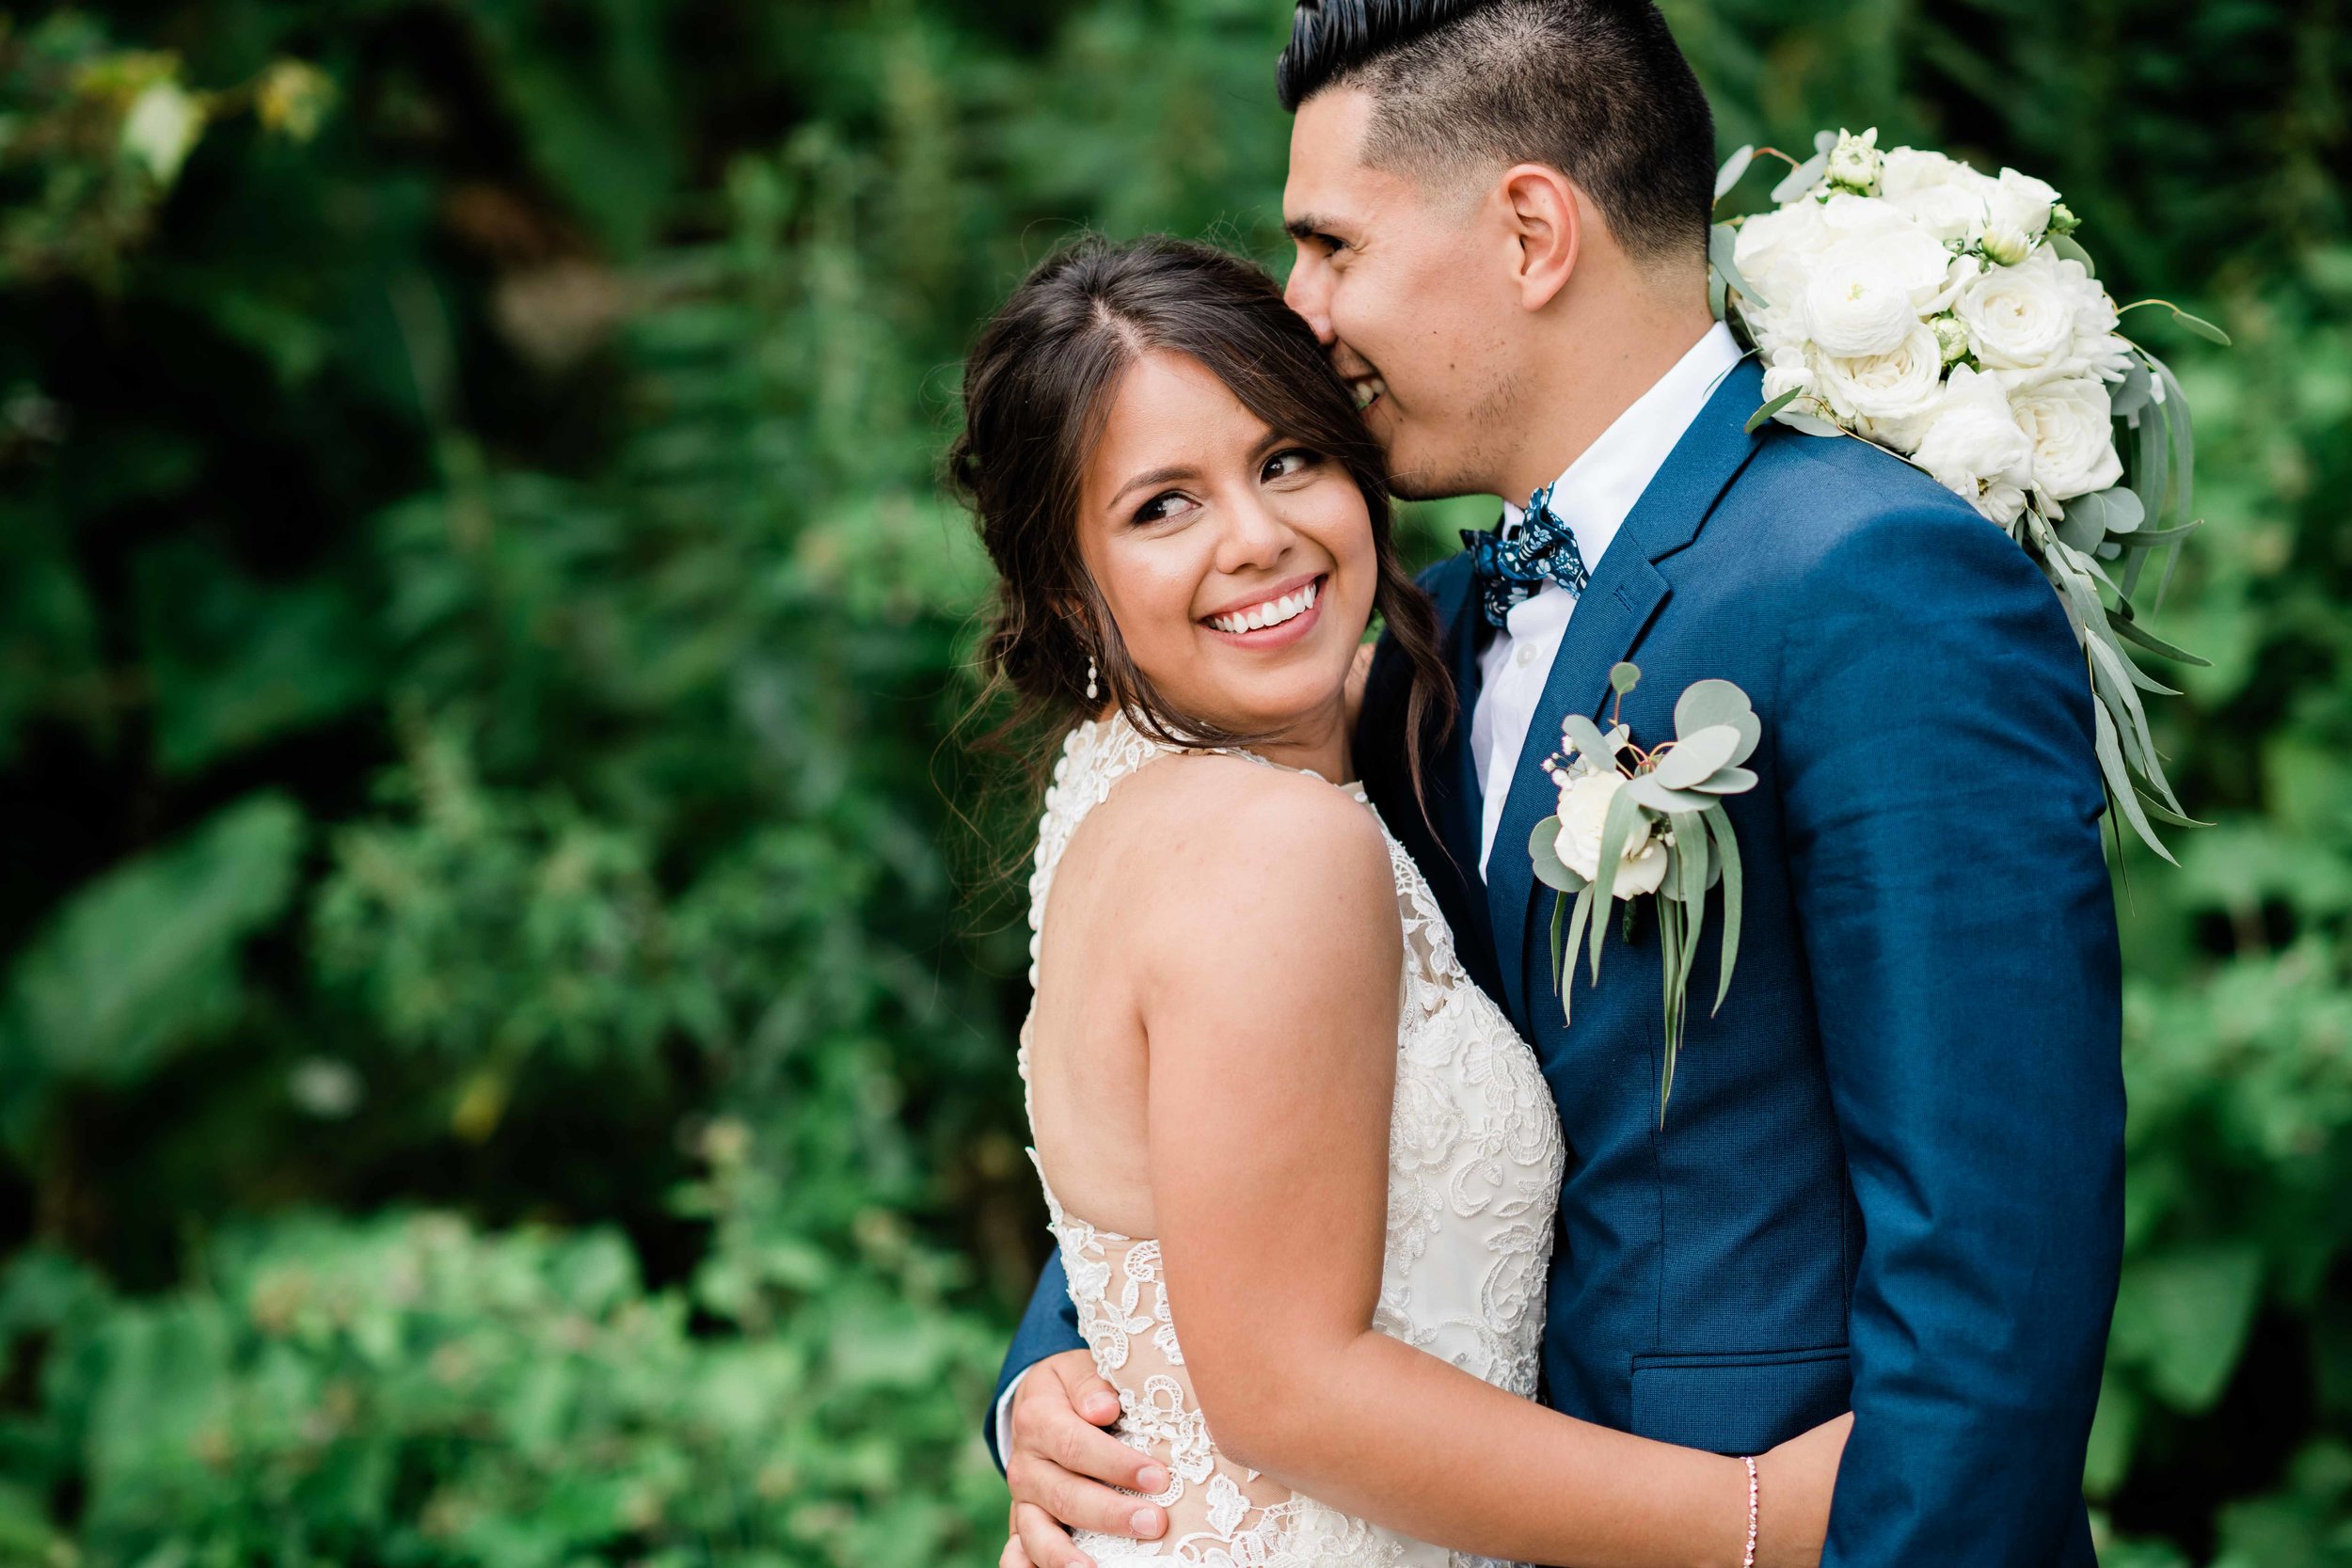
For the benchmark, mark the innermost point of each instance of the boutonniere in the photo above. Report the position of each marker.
(1656, 817)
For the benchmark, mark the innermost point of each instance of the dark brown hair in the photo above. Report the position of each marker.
(1037, 390)
(1596, 88)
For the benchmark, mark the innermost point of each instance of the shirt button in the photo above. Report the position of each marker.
(1526, 654)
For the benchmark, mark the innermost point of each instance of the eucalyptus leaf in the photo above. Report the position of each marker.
(1720, 243)
(2134, 631)
(1734, 166)
(1727, 781)
(1543, 852)
(2184, 433)
(1763, 415)
(1705, 703)
(1624, 677)
(1646, 791)
(1802, 178)
(1697, 756)
(1585, 737)
(2084, 525)
(2156, 538)
(2123, 797)
(2131, 393)
(1616, 829)
(2150, 456)
(1727, 851)
(2069, 250)
(1577, 919)
(2162, 813)
(2201, 326)
(1559, 914)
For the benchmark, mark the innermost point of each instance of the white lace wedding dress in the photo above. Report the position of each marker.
(1474, 1171)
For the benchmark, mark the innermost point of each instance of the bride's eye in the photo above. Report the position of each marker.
(1287, 464)
(1160, 507)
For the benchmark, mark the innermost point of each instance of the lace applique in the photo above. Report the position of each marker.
(1475, 1162)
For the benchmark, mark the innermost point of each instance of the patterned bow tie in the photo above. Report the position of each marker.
(1511, 570)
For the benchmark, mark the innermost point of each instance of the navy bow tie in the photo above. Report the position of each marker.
(1510, 571)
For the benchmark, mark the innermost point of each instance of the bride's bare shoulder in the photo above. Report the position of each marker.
(1222, 849)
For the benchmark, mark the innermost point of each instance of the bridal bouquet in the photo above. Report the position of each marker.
(1950, 316)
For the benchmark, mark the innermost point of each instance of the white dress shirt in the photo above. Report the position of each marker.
(1594, 498)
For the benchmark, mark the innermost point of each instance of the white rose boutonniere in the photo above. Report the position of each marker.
(1655, 819)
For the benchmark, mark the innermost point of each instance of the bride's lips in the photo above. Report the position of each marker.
(1315, 586)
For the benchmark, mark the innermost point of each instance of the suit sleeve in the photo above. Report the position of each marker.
(1941, 802)
(1049, 1327)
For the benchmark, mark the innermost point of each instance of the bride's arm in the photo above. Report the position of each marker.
(1268, 976)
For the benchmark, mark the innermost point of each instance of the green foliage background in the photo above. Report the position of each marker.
(500, 1059)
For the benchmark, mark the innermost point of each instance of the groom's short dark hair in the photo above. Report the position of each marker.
(1596, 88)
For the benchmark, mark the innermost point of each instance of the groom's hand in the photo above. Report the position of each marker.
(1062, 1466)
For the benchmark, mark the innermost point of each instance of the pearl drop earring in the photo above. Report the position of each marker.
(1091, 693)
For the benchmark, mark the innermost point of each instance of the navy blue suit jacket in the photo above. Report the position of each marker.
(1890, 1178)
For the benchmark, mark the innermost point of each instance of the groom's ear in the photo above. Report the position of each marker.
(1544, 215)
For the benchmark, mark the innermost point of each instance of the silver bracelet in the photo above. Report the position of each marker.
(1754, 1497)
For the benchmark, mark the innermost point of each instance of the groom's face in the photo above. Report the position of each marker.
(1405, 285)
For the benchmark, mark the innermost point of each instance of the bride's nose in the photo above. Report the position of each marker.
(1253, 536)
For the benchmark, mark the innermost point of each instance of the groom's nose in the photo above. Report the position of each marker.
(1308, 293)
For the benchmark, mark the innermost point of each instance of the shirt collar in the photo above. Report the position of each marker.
(1601, 486)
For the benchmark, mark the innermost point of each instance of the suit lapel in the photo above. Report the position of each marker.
(1623, 598)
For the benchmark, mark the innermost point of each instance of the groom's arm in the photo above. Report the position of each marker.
(1942, 800)
(1048, 1327)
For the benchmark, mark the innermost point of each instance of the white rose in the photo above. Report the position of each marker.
(1853, 163)
(1893, 238)
(1953, 216)
(2096, 349)
(1906, 170)
(1775, 250)
(1855, 301)
(1891, 389)
(1974, 448)
(2019, 318)
(1583, 809)
(2017, 215)
(1787, 370)
(2072, 436)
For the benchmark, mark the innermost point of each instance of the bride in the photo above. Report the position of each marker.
(1301, 1171)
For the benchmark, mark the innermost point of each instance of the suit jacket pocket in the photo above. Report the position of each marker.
(1742, 1402)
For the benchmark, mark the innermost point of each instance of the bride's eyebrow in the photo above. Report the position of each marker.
(1157, 476)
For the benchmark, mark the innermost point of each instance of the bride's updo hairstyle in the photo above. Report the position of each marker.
(1036, 395)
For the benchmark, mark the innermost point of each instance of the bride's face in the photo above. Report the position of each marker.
(1238, 564)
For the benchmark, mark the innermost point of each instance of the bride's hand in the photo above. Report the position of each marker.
(1794, 1483)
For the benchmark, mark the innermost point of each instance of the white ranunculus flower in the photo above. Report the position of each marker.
(1583, 810)
(2019, 318)
(1896, 387)
(1856, 301)
(2072, 436)
(2017, 215)
(1853, 163)
(1974, 448)
(1775, 250)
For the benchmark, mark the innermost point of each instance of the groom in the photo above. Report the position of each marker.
(1890, 1175)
